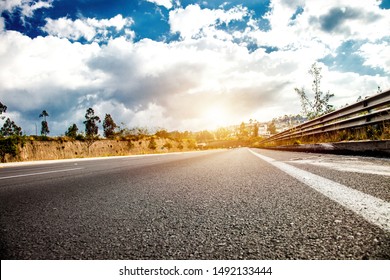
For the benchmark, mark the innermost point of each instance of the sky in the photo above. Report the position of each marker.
(185, 64)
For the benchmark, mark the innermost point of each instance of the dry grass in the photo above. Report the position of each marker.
(379, 131)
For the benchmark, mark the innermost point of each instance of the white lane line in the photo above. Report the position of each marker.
(40, 173)
(374, 210)
(350, 166)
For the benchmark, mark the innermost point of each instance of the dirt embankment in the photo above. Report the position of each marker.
(59, 149)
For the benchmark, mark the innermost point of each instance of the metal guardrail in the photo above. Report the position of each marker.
(372, 110)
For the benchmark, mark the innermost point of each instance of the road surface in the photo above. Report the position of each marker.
(225, 204)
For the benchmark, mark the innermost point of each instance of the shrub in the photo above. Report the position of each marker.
(167, 145)
(191, 144)
(9, 146)
(152, 144)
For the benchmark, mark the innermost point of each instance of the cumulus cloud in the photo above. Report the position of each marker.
(88, 28)
(336, 17)
(299, 23)
(165, 3)
(173, 84)
(194, 21)
(376, 55)
(27, 7)
(32, 63)
(44, 73)
(191, 76)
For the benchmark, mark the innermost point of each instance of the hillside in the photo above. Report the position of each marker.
(32, 150)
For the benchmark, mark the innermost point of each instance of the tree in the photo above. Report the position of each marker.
(91, 128)
(3, 109)
(72, 131)
(320, 103)
(9, 146)
(256, 130)
(204, 136)
(222, 133)
(162, 133)
(45, 127)
(10, 129)
(243, 132)
(272, 127)
(109, 126)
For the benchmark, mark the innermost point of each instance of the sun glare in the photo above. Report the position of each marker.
(216, 117)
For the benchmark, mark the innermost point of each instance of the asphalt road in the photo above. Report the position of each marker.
(228, 204)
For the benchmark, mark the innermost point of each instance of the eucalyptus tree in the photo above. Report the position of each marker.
(3, 109)
(91, 127)
(10, 129)
(72, 131)
(109, 126)
(45, 127)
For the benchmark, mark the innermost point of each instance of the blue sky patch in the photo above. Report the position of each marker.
(385, 4)
(347, 59)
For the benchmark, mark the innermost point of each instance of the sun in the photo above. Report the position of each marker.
(216, 117)
(215, 113)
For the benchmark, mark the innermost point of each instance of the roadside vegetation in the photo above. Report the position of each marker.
(141, 139)
(317, 104)
(375, 132)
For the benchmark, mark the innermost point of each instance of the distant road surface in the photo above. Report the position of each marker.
(224, 204)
